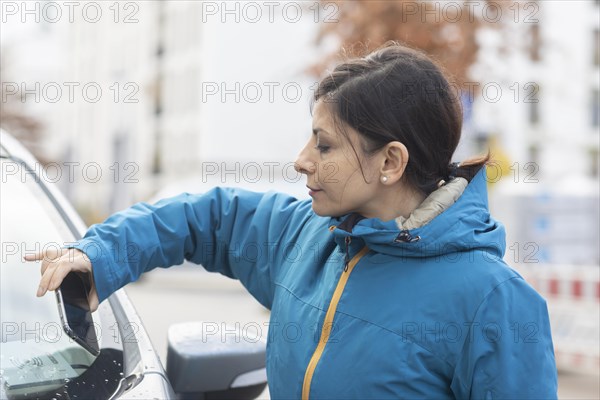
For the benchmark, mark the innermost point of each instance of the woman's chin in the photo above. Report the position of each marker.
(326, 212)
(319, 210)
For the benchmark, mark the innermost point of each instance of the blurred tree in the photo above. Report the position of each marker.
(444, 30)
(14, 120)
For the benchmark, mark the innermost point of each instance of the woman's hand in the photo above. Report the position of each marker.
(57, 263)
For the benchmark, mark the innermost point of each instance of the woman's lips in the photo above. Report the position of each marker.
(312, 191)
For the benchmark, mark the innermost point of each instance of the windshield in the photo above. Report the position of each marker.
(37, 357)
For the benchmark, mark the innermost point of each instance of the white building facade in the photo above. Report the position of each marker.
(542, 109)
(164, 91)
(539, 87)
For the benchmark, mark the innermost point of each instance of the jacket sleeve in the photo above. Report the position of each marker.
(231, 231)
(508, 353)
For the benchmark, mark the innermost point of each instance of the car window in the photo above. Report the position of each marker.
(36, 355)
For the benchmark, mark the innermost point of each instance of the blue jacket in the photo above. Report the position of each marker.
(359, 307)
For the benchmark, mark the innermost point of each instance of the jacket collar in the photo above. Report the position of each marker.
(453, 218)
(435, 204)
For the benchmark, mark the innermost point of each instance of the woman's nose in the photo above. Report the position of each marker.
(303, 165)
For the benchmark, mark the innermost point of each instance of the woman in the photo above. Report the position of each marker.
(392, 276)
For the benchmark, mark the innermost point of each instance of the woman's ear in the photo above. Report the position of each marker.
(394, 160)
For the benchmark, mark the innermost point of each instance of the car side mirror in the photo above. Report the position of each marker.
(210, 361)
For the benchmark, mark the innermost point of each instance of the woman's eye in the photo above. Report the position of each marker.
(322, 148)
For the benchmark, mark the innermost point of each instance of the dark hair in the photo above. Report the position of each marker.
(399, 94)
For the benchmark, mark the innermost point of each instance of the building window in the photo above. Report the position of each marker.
(157, 156)
(595, 101)
(596, 49)
(532, 99)
(594, 163)
(534, 154)
(535, 42)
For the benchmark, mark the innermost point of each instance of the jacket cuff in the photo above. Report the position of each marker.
(103, 271)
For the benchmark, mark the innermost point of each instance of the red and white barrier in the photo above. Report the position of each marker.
(573, 297)
(573, 286)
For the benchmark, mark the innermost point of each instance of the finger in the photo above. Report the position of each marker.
(56, 257)
(33, 257)
(46, 278)
(59, 275)
(93, 299)
(46, 263)
(49, 253)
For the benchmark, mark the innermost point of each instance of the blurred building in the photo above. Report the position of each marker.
(539, 87)
(152, 90)
(119, 58)
(137, 56)
(538, 107)
(116, 88)
(88, 73)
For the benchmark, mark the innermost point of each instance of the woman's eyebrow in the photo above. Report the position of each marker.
(319, 130)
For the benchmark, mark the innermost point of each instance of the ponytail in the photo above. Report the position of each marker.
(469, 168)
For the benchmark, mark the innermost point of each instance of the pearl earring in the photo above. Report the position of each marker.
(384, 179)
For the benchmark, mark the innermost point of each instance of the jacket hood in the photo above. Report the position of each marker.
(451, 222)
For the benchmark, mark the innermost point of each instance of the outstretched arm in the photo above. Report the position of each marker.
(218, 229)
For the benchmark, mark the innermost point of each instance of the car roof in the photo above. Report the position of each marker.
(10, 147)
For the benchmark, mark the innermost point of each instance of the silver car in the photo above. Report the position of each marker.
(39, 360)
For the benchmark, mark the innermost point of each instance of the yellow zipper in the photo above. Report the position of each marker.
(328, 322)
